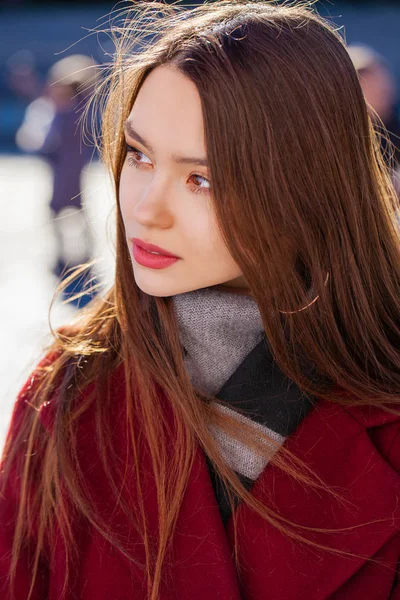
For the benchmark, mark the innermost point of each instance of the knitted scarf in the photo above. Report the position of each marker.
(227, 355)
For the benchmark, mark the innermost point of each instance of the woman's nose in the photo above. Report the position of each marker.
(153, 209)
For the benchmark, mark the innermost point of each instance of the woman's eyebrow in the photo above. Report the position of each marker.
(131, 131)
(185, 160)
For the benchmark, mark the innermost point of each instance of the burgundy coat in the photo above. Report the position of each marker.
(355, 449)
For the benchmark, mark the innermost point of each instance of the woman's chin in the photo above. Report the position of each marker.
(161, 287)
(170, 282)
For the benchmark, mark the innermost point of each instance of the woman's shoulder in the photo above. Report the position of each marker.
(44, 390)
(26, 402)
(76, 392)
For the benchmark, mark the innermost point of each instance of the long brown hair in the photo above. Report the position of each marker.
(306, 207)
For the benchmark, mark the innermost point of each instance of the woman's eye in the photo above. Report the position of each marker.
(136, 157)
(200, 184)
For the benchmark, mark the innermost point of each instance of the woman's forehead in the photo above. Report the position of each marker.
(167, 113)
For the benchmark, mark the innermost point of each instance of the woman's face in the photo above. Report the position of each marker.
(165, 194)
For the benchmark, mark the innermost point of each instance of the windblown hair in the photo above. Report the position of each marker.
(306, 207)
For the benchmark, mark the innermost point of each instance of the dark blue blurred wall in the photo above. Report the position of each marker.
(49, 31)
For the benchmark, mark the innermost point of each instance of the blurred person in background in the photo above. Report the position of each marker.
(379, 88)
(52, 128)
(224, 422)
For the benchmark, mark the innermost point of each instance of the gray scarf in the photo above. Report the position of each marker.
(218, 329)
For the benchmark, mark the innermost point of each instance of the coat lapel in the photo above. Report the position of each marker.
(337, 447)
(333, 443)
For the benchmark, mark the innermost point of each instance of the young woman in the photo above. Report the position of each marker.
(225, 422)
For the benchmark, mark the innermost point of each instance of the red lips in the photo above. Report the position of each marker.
(143, 253)
(152, 248)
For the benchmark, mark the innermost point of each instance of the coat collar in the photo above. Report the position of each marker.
(338, 448)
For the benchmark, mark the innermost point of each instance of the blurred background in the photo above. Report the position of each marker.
(56, 202)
